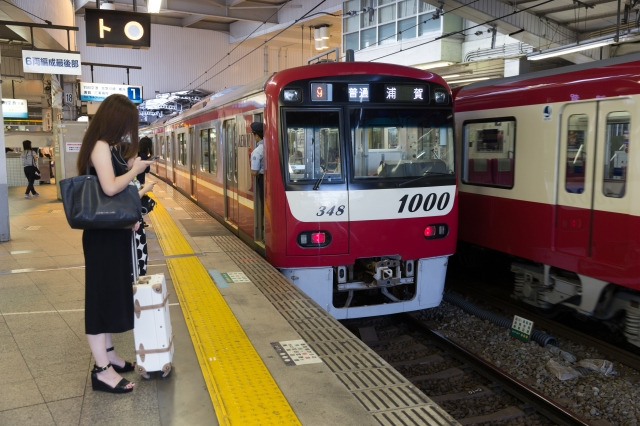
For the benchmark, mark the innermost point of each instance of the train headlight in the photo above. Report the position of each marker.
(314, 239)
(440, 96)
(438, 230)
(291, 95)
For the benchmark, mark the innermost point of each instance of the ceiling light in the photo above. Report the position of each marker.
(572, 48)
(468, 80)
(153, 6)
(321, 32)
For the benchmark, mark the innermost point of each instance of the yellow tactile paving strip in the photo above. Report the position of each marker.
(242, 390)
(171, 241)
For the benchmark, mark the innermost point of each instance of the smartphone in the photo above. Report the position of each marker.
(154, 158)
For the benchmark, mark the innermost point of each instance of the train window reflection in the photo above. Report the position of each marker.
(488, 152)
(182, 149)
(208, 151)
(313, 145)
(401, 142)
(577, 126)
(616, 152)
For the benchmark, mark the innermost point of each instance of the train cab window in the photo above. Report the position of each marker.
(488, 152)
(401, 143)
(576, 153)
(616, 152)
(313, 146)
(208, 151)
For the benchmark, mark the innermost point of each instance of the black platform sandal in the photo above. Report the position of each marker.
(127, 365)
(99, 385)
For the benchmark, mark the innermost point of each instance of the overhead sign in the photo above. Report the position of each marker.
(113, 28)
(43, 62)
(14, 108)
(99, 91)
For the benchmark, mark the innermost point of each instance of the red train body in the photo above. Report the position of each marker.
(360, 203)
(548, 175)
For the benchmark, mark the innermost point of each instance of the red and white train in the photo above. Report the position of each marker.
(548, 177)
(360, 206)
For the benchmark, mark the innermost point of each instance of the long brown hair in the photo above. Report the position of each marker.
(116, 118)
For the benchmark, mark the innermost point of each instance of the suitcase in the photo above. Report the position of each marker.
(152, 326)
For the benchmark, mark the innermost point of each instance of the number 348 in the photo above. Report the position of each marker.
(331, 210)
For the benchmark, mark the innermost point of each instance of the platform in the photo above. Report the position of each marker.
(250, 348)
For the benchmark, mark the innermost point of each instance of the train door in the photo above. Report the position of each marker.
(258, 207)
(575, 178)
(592, 181)
(232, 211)
(611, 241)
(193, 166)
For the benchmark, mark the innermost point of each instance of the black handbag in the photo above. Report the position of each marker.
(36, 172)
(88, 207)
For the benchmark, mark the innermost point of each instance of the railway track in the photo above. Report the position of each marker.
(465, 385)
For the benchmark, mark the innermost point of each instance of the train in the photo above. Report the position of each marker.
(547, 181)
(360, 198)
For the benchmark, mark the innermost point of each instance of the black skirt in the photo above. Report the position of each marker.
(108, 280)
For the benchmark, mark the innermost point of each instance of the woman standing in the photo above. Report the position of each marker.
(109, 151)
(29, 161)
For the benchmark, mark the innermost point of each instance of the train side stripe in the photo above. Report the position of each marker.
(241, 388)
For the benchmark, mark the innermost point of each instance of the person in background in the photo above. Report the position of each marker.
(146, 151)
(109, 150)
(29, 161)
(257, 171)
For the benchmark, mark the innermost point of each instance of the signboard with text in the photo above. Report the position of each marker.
(99, 91)
(44, 62)
(14, 108)
(113, 28)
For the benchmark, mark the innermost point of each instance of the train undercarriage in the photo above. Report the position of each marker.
(547, 287)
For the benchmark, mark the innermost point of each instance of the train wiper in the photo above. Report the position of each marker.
(319, 181)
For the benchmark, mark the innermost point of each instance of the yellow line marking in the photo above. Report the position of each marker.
(169, 236)
(241, 388)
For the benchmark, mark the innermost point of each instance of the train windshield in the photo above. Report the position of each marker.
(401, 143)
(313, 145)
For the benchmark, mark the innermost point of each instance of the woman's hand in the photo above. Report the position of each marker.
(148, 186)
(139, 165)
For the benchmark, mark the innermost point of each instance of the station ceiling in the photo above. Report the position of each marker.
(540, 23)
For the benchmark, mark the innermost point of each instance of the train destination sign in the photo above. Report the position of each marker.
(405, 93)
(99, 91)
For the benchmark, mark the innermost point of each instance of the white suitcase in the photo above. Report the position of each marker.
(152, 326)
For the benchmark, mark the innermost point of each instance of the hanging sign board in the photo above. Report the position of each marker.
(43, 62)
(112, 28)
(14, 108)
(99, 91)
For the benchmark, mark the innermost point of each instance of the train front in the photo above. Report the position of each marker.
(361, 209)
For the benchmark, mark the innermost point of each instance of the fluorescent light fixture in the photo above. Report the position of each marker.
(321, 33)
(432, 65)
(153, 6)
(572, 48)
(468, 80)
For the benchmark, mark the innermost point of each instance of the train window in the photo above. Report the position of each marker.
(182, 149)
(488, 152)
(616, 153)
(208, 150)
(400, 143)
(313, 145)
(577, 126)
